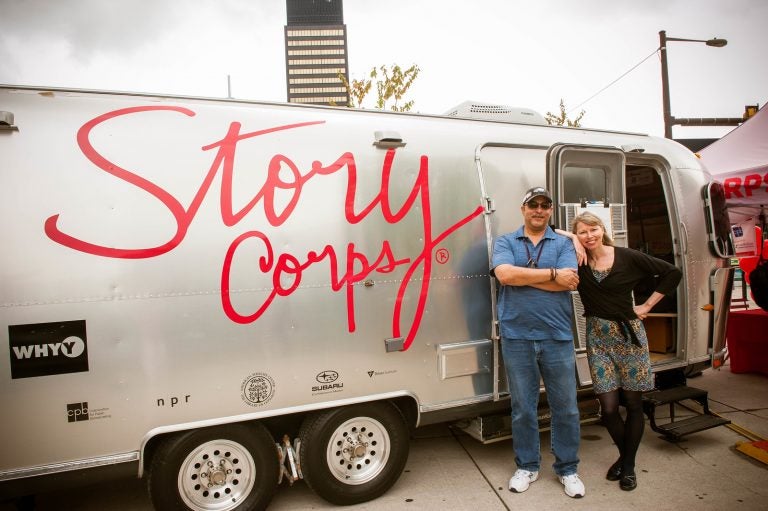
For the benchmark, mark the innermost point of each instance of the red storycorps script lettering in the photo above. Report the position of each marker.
(736, 188)
(283, 267)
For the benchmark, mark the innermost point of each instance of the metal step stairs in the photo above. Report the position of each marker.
(674, 430)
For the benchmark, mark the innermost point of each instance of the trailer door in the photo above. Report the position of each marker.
(587, 178)
(506, 171)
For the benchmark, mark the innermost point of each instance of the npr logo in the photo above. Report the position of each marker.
(42, 349)
(77, 412)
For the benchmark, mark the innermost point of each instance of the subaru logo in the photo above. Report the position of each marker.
(327, 376)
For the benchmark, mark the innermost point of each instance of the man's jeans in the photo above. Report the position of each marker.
(554, 361)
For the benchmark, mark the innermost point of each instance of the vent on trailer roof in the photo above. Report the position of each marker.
(477, 110)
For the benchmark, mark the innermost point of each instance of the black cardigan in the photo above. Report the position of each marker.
(612, 298)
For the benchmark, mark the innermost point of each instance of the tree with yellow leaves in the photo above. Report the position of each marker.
(562, 119)
(392, 83)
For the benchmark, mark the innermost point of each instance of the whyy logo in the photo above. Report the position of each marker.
(71, 347)
(45, 349)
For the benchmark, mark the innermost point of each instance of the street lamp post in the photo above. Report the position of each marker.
(669, 120)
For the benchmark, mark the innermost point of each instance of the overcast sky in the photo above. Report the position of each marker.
(515, 52)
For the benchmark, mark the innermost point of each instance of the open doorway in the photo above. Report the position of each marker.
(649, 230)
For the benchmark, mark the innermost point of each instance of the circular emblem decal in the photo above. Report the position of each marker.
(258, 389)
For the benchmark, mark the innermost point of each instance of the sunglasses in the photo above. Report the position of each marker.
(532, 204)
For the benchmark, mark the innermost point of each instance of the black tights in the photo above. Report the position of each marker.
(625, 434)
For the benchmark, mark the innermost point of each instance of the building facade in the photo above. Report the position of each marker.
(316, 52)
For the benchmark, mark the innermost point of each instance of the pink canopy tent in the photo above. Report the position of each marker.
(740, 161)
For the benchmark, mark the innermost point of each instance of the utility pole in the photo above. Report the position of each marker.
(669, 119)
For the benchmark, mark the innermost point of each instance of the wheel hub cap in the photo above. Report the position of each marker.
(217, 476)
(358, 450)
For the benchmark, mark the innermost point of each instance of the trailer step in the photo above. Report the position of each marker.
(662, 397)
(674, 430)
(678, 429)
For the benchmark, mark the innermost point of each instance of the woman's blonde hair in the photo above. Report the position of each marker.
(591, 219)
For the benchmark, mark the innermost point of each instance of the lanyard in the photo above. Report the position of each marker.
(531, 263)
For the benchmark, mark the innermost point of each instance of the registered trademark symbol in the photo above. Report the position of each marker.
(442, 256)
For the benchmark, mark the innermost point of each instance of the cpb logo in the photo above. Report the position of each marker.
(77, 412)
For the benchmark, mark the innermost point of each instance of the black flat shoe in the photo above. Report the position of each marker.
(628, 482)
(614, 473)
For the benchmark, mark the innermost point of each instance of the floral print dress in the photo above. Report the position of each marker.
(613, 360)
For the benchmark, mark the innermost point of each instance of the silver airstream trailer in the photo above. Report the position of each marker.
(216, 294)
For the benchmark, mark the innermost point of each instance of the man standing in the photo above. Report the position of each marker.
(536, 268)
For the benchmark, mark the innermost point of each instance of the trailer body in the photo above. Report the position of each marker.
(188, 277)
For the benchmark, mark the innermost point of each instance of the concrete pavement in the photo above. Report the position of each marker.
(448, 470)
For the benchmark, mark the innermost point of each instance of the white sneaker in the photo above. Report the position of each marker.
(573, 486)
(522, 480)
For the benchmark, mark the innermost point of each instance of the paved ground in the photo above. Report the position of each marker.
(448, 470)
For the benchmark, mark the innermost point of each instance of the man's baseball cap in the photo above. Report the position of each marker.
(536, 191)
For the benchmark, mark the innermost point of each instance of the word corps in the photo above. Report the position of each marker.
(285, 268)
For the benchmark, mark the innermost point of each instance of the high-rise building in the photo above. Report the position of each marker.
(316, 52)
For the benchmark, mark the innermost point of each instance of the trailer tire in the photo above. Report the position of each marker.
(247, 478)
(353, 454)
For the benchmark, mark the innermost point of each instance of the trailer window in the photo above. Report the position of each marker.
(582, 184)
(589, 177)
(718, 221)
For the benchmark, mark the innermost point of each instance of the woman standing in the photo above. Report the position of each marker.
(617, 346)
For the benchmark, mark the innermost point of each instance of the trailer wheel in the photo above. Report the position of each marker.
(223, 468)
(353, 454)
